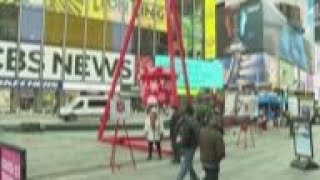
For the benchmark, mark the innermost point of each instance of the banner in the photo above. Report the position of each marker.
(92, 66)
(210, 29)
(116, 10)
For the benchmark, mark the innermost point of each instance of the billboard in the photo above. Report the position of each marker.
(92, 67)
(210, 29)
(288, 32)
(196, 70)
(116, 9)
(240, 22)
(249, 69)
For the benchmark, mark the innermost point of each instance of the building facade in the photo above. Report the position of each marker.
(54, 50)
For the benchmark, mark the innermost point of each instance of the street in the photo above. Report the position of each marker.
(76, 155)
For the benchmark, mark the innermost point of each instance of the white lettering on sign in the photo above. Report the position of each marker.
(76, 65)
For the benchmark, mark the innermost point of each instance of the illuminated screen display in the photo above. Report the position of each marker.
(201, 74)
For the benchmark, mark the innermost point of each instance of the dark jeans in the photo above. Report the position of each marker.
(175, 149)
(186, 164)
(211, 174)
(150, 148)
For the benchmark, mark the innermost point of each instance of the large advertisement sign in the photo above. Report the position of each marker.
(247, 69)
(210, 29)
(92, 67)
(115, 10)
(196, 70)
(13, 163)
(242, 21)
(289, 32)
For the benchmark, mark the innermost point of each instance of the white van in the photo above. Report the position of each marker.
(89, 107)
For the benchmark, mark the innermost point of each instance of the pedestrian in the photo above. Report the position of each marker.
(154, 129)
(173, 135)
(212, 149)
(187, 138)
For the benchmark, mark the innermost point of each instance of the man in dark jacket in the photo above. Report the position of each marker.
(187, 138)
(173, 135)
(212, 149)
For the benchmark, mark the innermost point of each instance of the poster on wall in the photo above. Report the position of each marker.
(293, 106)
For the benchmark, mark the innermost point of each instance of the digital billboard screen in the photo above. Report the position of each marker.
(201, 74)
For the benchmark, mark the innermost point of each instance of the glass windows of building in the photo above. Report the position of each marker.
(191, 18)
(9, 14)
(75, 31)
(146, 44)
(54, 23)
(31, 22)
(95, 34)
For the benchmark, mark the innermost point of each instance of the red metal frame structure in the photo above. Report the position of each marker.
(173, 33)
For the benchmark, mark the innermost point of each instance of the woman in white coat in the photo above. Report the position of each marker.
(153, 129)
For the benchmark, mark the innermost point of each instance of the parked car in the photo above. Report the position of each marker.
(89, 107)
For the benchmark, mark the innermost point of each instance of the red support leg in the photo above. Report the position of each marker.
(177, 23)
(105, 117)
(113, 151)
(170, 48)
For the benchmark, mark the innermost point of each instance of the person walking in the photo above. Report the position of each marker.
(187, 138)
(212, 149)
(153, 129)
(173, 135)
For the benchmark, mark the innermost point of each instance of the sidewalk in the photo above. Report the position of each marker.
(76, 155)
(54, 154)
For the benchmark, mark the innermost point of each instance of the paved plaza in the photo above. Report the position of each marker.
(76, 155)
